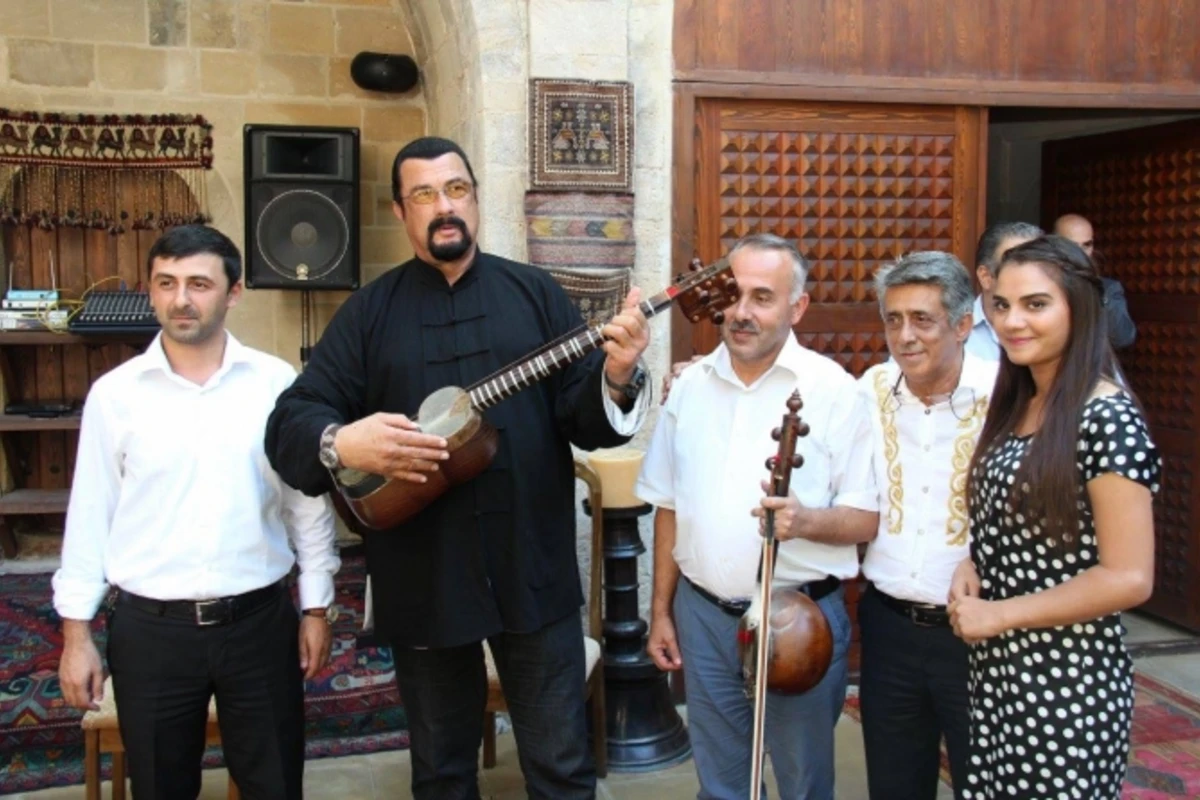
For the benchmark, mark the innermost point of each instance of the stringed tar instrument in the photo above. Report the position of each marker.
(454, 413)
(791, 652)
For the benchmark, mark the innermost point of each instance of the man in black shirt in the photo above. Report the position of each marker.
(493, 558)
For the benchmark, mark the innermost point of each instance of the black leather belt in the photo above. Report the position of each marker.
(927, 615)
(219, 611)
(814, 589)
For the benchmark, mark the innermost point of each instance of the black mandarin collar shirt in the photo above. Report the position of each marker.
(498, 552)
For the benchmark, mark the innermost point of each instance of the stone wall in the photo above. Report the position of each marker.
(235, 62)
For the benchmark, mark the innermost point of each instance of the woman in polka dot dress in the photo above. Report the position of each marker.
(1062, 541)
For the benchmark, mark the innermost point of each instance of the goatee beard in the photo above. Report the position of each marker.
(449, 251)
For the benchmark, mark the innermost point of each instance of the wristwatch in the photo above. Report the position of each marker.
(329, 613)
(632, 389)
(328, 454)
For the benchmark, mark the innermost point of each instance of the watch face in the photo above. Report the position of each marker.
(328, 457)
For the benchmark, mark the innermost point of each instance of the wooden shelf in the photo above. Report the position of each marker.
(21, 422)
(46, 337)
(34, 501)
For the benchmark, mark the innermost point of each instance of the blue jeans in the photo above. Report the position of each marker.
(799, 729)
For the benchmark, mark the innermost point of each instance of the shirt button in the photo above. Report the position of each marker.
(921, 532)
(928, 411)
(925, 489)
(926, 448)
(912, 575)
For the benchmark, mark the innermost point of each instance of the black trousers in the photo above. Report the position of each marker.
(913, 691)
(444, 692)
(164, 672)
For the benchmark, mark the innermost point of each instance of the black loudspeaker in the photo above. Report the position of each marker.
(381, 72)
(301, 186)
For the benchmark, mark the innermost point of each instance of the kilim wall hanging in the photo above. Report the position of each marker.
(108, 172)
(586, 242)
(581, 135)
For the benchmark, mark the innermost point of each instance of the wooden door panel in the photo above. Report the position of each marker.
(1141, 191)
(853, 185)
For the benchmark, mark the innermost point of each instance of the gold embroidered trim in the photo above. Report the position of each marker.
(891, 451)
(958, 524)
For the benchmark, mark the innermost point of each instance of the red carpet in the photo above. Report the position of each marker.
(1164, 761)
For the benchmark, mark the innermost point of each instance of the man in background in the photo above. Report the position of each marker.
(995, 241)
(1121, 329)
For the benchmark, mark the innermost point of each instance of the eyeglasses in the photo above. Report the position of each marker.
(454, 190)
(961, 400)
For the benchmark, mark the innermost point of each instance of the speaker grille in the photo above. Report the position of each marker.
(302, 235)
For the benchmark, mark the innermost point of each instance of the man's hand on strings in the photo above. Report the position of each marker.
(628, 336)
(391, 445)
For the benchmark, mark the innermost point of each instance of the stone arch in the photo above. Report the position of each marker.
(473, 56)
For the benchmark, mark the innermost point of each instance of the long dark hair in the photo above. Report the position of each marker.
(1049, 467)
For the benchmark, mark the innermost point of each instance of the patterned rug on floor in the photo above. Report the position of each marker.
(351, 707)
(1164, 762)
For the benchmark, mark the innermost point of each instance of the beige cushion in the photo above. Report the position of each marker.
(591, 655)
(106, 716)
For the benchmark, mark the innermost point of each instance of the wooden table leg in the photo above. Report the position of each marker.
(118, 775)
(91, 764)
(489, 739)
(8, 542)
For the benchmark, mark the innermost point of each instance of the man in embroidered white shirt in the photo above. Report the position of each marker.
(927, 406)
(174, 503)
(704, 470)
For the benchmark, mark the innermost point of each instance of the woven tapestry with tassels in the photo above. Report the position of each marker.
(108, 172)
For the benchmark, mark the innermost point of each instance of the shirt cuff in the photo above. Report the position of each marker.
(316, 590)
(77, 601)
(651, 497)
(863, 501)
(626, 424)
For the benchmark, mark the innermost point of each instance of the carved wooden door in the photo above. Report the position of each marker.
(854, 185)
(1141, 191)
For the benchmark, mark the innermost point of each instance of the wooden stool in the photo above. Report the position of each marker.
(102, 735)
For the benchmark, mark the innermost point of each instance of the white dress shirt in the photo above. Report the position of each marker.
(921, 459)
(173, 497)
(708, 457)
(982, 341)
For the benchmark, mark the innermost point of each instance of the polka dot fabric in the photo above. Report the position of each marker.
(1051, 708)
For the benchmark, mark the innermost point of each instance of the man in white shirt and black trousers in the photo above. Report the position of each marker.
(705, 472)
(927, 406)
(174, 504)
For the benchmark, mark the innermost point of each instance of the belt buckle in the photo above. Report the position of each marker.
(202, 617)
(917, 614)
